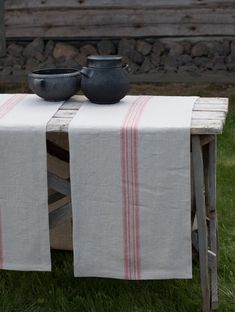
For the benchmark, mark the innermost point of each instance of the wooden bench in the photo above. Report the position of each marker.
(208, 119)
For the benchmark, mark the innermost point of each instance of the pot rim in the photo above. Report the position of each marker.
(45, 73)
(104, 58)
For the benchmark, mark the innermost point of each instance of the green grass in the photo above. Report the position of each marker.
(60, 291)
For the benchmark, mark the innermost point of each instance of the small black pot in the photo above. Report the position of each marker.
(55, 84)
(105, 79)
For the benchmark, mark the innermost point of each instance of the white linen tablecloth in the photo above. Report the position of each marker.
(130, 180)
(24, 228)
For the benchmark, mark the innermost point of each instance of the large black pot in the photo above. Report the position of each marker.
(55, 84)
(105, 79)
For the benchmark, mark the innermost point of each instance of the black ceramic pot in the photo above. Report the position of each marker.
(105, 79)
(55, 84)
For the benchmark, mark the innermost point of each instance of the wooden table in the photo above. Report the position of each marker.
(208, 119)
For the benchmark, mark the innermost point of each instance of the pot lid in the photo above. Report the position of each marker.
(104, 61)
(105, 58)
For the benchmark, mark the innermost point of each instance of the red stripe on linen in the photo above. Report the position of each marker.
(5, 108)
(125, 189)
(129, 165)
(136, 187)
(132, 188)
(11, 103)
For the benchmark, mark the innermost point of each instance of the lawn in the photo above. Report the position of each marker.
(60, 291)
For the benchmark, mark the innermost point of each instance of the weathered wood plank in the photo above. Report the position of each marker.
(58, 184)
(60, 215)
(48, 4)
(57, 151)
(119, 22)
(208, 115)
(205, 139)
(211, 186)
(58, 166)
(201, 220)
(206, 126)
(197, 126)
(2, 29)
(65, 113)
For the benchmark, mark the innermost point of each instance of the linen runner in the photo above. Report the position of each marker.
(24, 228)
(130, 180)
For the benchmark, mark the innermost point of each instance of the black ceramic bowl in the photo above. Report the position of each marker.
(55, 84)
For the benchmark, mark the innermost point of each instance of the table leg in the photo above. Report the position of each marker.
(198, 173)
(210, 159)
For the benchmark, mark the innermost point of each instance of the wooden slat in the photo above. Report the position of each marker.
(201, 220)
(211, 186)
(58, 184)
(2, 30)
(58, 166)
(48, 4)
(205, 115)
(65, 113)
(60, 215)
(208, 115)
(134, 22)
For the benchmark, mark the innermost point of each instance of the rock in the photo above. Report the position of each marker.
(81, 59)
(155, 59)
(37, 45)
(217, 48)
(187, 68)
(232, 46)
(31, 64)
(199, 49)
(226, 46)
(170, 63)
(184, 59)
(19, 72)
(125, 60)
(72, 63)
(176, 49)
(143, 47)
(49, 48)
(39, 57)
(158, 48)
(231, 58)
(146, 66)
(231, 67)
(219, 63)
(88, 49)
(7, 70)
(203, 62)
(133, 68)
(136, 57)
(187, 47)
(15, 50)
(48, 63)
(106, 47)
(150, 40)
(9, 61)
(63, 51)
(17, 66)
(126, 46)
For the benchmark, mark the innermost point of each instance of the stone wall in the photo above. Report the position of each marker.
(145, 56)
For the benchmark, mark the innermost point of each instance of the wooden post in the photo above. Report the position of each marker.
(2, 30)
(213, 219)
(198, 172)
